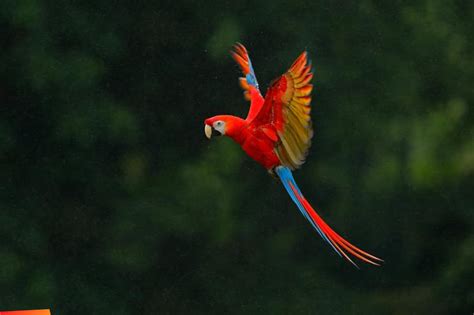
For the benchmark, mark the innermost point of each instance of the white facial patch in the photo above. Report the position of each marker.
(219, 126)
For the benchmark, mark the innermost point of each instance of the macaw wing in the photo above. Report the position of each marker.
(287, 108)
(249, 81)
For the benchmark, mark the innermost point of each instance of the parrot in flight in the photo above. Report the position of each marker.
(277, 134)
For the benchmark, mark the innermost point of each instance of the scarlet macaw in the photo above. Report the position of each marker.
(277, 134)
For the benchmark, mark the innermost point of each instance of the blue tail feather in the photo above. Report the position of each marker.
(286, 177)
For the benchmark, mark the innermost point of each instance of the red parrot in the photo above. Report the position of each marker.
(277, 134)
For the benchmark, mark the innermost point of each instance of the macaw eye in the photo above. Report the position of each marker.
(219, 123)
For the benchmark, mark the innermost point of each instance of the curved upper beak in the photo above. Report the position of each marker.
(208, 131)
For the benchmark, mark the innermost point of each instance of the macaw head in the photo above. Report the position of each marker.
(217, 125)
(221, 125)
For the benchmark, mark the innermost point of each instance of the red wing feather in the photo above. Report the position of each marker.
(249, 81)
(287, 108)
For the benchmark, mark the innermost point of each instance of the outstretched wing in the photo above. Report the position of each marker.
(287, 108)
(249, 81)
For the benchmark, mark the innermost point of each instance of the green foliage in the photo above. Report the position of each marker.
(113, 202)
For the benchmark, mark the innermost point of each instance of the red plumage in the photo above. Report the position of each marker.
(277, 134)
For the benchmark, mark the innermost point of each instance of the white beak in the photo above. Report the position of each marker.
(208, 131)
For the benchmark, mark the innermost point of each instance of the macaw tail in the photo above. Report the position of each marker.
(338, 243)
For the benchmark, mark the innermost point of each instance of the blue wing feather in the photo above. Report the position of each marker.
(251, 78)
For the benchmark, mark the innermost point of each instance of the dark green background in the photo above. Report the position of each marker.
(112, 201)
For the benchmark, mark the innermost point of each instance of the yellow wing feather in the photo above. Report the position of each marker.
(295, 138)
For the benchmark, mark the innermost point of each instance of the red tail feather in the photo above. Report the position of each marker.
(337, 240)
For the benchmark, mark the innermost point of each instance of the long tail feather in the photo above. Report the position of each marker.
(337, 242)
